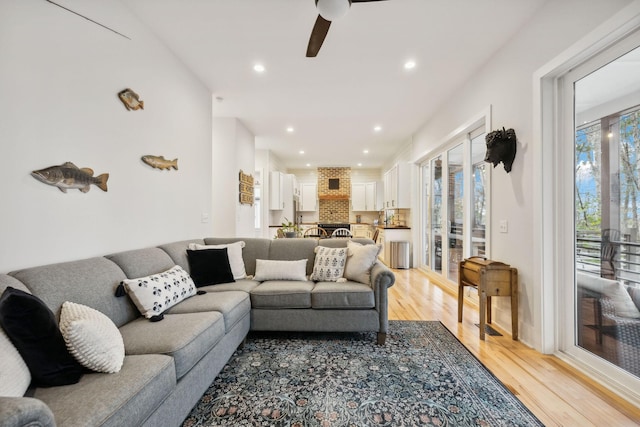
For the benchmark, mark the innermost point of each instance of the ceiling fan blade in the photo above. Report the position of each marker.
(318, 34)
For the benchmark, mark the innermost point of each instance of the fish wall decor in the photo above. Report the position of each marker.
(159, 162)
(131, 100)
(69, 176)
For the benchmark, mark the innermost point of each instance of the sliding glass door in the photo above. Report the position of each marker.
(606, 163)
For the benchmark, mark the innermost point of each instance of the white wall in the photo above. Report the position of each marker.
(505, 84)
(59, 79)
(232, 151)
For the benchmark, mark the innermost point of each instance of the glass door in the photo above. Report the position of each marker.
(455, 210)
(436, 215)
(607, 211)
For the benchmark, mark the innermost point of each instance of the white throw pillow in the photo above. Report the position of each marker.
(14, 373)
(360, 261)
(234, 250)
(329, 264)
(280, 270)
(612, 289)
(92, 338)
(156, 293)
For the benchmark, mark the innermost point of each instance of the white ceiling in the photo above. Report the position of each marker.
(357, 80)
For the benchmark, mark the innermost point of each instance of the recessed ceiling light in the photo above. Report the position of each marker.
(290, 129)
(301, 151)
(377, 128)
(365, 151)
(359, 164)
(308, 164)
(259, 68)
(409, 65)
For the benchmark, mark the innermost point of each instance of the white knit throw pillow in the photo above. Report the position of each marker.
(92, 338)
(14, 373)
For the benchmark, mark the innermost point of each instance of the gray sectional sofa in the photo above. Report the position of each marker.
(170, 363)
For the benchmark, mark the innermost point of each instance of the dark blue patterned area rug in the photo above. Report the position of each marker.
(423, 376)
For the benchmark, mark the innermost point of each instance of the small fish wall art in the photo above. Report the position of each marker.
(68, 176)
(159, 162)
(131, 100)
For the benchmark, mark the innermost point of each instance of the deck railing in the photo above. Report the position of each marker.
(614, 259)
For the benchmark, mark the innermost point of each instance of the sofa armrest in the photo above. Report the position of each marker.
(25, 412)
(382, 278)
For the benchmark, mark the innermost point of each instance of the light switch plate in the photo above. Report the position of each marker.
(504, 226)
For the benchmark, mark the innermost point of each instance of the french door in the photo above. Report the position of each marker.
(455, 203)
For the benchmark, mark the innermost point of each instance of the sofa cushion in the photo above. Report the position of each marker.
(91, 282)
(92, 338)
(126, 398)
(360, 261)
(209, 266)
(33, 329)
(234, 306)
(234, 251)
(186, 337)
(245, 285)
(267, 269)
(349, 295)
(282, 294)
(142, 262)
(156, 293)
(178, 251)
(329, 264)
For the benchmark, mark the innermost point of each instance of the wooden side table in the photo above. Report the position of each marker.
(491, 279)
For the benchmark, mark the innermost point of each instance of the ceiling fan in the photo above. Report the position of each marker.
(329, 11)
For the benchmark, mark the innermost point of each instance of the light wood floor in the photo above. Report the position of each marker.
(556, 393)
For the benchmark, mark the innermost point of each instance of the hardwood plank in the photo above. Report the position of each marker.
(555, 392)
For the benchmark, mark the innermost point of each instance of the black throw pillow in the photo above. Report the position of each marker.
(209, 267)
(32, 328)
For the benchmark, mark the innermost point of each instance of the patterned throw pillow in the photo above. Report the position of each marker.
(329, 264)
(156, 293)
(92, 338)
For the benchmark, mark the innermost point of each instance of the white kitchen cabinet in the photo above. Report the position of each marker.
(397, 186)
(361, 230)
(363, 196)
(276, 191)
(308, 197)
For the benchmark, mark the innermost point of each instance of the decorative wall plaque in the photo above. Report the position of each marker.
(246, 189)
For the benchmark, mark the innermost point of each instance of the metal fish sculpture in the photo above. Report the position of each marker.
(69, 176)
(159, 162)
(131, 100)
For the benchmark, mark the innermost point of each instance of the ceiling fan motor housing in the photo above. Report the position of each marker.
(332, 10)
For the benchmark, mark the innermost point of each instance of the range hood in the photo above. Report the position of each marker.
(334, 183)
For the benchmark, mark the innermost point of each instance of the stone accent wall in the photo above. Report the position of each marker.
(343, 174)
(334, 210)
